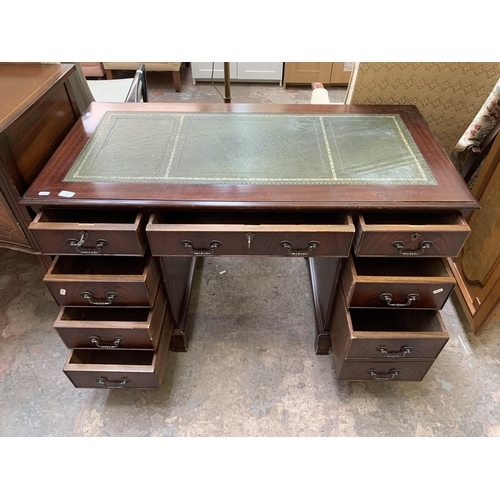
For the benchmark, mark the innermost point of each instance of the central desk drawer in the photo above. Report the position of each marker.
(90, 232)
(95, 281)
(396, 283)
(112, 327)
(296, 234)
(400, 234)
(119, 369)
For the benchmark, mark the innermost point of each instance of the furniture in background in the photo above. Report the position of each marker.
(172, 67)
(477, 268)
(93, 69)
(475, 143)
(319, 94)
(121, 89)
(447, 94)
(38, 107)
(113, 237)
(331, 73)
(239, 71)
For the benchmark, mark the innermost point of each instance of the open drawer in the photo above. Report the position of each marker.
(120, 369)
(294, 233)
(112, 328)
(94, 281)
(411, 283)
(90, 232)
(410, 234)
(386, 334)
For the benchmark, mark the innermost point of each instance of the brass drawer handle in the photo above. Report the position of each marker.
(189, 245)
(79, 248)
(411, 297)
(388, 376)
(106, 302)
(394, 354)
(97, 342)
(299, 253)
(118, 384)
(400, 246)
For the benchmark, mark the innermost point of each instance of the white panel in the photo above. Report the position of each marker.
(203, 71)
(268, 71)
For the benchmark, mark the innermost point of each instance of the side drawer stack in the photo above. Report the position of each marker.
(386, 323)
(113, 307)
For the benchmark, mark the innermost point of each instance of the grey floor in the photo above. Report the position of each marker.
(251, 368)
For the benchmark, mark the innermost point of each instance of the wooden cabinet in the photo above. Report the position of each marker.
(239, 71)
(37, 110)
(333, 73)
(477, 268)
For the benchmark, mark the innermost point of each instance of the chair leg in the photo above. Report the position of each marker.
(177, 80)
(109, 74)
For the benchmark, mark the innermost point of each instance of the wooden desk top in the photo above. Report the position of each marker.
(21, 84)
(449, 193)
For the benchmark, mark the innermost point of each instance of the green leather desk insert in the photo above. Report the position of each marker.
(251, 148)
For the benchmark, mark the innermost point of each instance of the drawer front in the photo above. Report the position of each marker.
(92, 232)
(94, 281)
(410, 283)
(112, 328)
(383, 371)
(119, 369)
(425, 235)
(381, 334)
(299, 240)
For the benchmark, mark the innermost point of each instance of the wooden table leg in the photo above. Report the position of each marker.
(324, 273)
(177, 80)
(178, 275)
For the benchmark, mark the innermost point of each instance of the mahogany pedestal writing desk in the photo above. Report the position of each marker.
(137, 192)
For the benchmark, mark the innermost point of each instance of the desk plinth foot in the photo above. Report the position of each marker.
(178, 273)
(324, 273)
(179, 341)
(323, 343)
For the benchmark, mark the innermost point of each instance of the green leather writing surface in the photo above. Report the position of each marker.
(251, 148)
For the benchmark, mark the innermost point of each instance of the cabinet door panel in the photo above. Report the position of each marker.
(269, 71)
(11, 235)
(203, 71)
(307, 72)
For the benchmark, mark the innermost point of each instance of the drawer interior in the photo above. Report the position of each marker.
(96, 265)
(101, 314)
(382, 320)
(101, 357)
(412, 218)
(409, 267)
(89, 216)
(250, 217)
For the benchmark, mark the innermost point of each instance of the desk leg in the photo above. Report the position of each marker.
(324, 272)
(178, 278)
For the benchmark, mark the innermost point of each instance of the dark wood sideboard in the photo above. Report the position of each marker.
(37, 110)
(125, 253)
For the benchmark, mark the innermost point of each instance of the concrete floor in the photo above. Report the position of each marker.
(250, 369)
